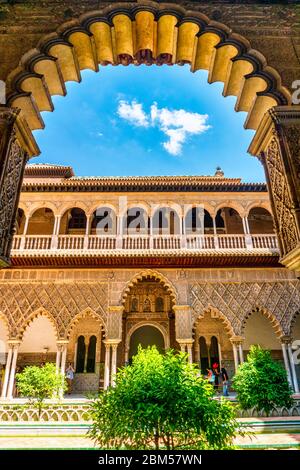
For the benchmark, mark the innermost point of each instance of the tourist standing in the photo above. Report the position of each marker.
(70, 377)
(225, 381)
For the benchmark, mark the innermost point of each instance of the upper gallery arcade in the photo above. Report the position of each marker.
(225, 41)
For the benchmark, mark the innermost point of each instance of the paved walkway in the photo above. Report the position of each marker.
(259, 441)
(263, 433)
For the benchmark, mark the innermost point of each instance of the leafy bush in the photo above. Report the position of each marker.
(161, 401)
(262, 382)
(38, 383)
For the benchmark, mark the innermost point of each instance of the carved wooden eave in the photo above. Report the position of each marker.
(148, 258)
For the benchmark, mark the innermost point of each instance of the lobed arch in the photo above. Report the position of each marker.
(149, 273)
(40, 312)
(215, 313)
(88, 312)
(149, 33)
(279, 331)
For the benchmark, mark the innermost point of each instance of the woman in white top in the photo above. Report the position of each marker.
(70, 377)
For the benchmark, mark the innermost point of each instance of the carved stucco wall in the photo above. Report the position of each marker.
(229, 294)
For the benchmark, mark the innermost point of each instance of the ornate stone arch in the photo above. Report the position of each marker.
(184, 37)
(215, 313)
(140, 324)
(279, 331)
(149, 273)
(40, 312)
(88, 312)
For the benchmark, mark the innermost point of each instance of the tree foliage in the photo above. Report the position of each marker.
(262, 382)
(161, 401)
(38, 383)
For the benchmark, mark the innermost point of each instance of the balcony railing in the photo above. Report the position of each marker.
(144, 242)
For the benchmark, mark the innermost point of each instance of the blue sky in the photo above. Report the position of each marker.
(147, 121)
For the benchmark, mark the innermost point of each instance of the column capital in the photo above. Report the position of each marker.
(178, 308)
(62, 342)
(116, 308)
(185, 342)
(13, 343)
(286, 339)
(237, 340)
(277, 116)
(112, 342)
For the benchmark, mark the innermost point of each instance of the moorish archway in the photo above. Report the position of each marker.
(155, 34)
(146, 335)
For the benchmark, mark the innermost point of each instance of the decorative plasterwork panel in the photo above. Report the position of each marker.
(20, 303)
(277, 300)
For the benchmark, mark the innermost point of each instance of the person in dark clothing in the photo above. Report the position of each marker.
(225, 381)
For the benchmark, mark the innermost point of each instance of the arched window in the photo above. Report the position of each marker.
(91, 355)
(228, 220)
(194, 220)
(208, 222)
(166, 222)
(137, 221)
(77, 219)
(80, 354)
(204, 359)
(214, 352)
(159, 304)
(104, 221)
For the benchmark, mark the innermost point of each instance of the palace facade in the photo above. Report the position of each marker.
(100, 265)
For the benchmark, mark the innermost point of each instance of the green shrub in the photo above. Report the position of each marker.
(262, 382)
(161, 401)
(38, 383)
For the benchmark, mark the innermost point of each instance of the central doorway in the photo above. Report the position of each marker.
(145, 336)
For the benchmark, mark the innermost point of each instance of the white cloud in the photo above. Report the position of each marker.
(133, 112)
(176, 124)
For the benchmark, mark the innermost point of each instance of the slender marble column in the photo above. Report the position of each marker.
(12, 372)
(7, 372)
(235, 356)
(286, 363)
(190, 353)
(114, 364)
(292, 364)
(107, 366)
(241, 353)
(58, 358)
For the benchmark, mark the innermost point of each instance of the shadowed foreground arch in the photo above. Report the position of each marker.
(159, 34)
